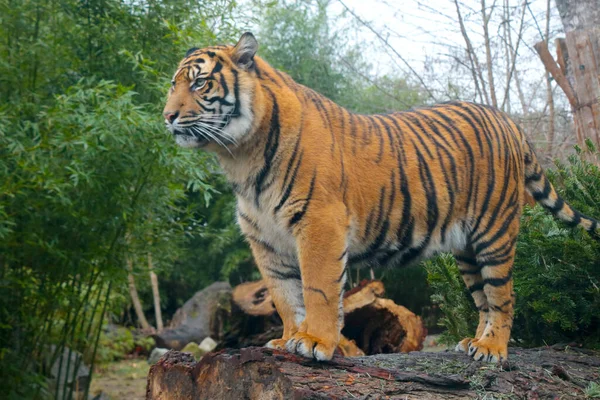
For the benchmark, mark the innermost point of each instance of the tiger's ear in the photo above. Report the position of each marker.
(244, 51)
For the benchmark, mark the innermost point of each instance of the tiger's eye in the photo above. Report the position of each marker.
(199, 83)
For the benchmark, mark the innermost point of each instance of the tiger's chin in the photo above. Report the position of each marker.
(190, 142)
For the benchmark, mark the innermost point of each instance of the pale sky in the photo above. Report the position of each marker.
(427, 33)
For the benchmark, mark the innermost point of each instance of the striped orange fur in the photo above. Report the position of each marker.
(320, 189)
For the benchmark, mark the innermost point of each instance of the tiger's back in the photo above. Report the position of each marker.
(320, 189)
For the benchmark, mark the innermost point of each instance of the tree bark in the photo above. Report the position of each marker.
(135, 299)
(581, 20)
(260, 373)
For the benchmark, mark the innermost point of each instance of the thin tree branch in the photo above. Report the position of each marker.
(488, 52)
(475, 69)
(366, 25)
(516, 52)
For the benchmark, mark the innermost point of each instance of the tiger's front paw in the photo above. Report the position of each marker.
(488, 350)
(277, 344)
(310, 346)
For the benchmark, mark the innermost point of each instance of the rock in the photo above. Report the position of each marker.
(156, 354)
(208, 345)
(68, 372)
(193, 349)
(198, 318)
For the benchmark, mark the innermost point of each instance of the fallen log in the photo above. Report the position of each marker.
(260, 373)
(379, 325)
(372, 325)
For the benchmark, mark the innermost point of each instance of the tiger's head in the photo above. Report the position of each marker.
(210, 100)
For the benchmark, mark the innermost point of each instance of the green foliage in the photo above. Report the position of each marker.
(556, 275)
(114, 345)
(116, 342)
(592, 391)
(88, 175)
(459, 314)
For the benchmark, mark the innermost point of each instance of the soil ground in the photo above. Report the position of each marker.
(120, 380)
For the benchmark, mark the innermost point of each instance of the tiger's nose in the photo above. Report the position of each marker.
(171, 116)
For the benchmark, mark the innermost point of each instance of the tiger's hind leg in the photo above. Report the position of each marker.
(496, 258)
(471, 275)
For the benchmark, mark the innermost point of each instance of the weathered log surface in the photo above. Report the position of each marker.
(260, 373)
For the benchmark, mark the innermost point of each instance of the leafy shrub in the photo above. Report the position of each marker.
(456, 304)
(115, 343)
(556, 272)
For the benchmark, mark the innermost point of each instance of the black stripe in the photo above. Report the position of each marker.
(380, 208)
(283, 276)
(190, 51)
(544, 193)
(418, 135)
(558, 205)
(298, 216)
(249, 220)
(322, 293)
(476, 287)
(536, 176)
(261, 242)
(380, 136)
(270, 149)
(344, 271)
(479, 248)
(469, 271)
(466, 260)
(288, 189)
(449, 125)
(497, 282)
(236, 93)
(288, 169)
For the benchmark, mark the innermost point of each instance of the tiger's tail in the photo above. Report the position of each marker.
(540, 188)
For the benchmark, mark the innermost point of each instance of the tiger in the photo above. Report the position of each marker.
(320, 190)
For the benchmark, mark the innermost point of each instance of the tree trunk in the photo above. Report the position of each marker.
(581, 61)
(155, 294)
(135, 299)
(260, 373)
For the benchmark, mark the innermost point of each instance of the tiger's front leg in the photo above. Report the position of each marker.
(321, 242)
(283, 279)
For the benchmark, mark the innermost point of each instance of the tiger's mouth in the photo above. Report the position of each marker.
(188, 135)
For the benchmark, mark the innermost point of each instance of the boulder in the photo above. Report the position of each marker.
(199, 317)
(156, 354)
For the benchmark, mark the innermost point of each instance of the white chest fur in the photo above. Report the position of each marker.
(270, 228)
